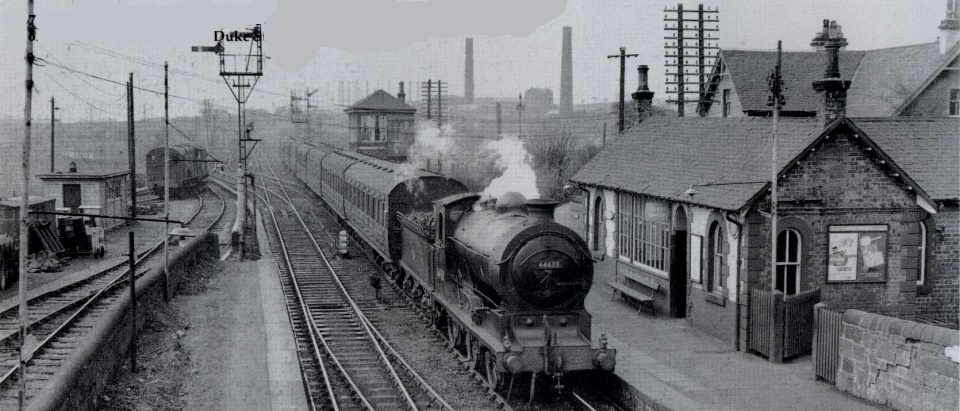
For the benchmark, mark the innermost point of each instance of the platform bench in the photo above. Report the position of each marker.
(645, 299)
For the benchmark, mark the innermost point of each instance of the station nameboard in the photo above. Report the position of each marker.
(857, 253)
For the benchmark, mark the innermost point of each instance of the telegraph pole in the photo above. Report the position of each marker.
(775, 81)
(499, 122)
(131, 149)
(53, 115)
(166, 181)
(623, 67)
(520, 108)
(25, 204)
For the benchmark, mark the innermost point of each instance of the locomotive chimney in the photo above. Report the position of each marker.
(541, 209)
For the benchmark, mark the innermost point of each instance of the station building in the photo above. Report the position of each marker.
(90, 193)
(867, 212)
(381, 125)
(912, 80)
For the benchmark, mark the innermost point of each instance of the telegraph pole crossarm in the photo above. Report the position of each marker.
(623, 67)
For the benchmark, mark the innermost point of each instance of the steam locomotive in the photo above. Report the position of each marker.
(503, 280)
(188, 169)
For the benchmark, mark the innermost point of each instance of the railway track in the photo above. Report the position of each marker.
(578, 397)
(59, 318)
(346, 361)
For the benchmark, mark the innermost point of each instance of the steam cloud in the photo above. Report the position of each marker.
(491, 167)
(518, 174)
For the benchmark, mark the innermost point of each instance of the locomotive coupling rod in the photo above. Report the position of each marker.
(158, 220)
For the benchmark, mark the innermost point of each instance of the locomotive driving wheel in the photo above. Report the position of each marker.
(494, 377)
(453, 334)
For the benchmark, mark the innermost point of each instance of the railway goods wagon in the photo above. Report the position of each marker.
(508, 283)
(188, 171)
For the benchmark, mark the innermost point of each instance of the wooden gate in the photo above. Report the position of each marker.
(827, 326)
(763, 303)
(798, 322)
(781, 327)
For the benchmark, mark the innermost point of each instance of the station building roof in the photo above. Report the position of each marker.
(883, 81)
(664, 156)
(82, 176)
(749, 71)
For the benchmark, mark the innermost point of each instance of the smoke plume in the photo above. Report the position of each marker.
(490, 167)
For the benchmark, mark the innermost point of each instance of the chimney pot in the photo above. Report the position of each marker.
(643, 96)
(401, 95)
(73, 167)
(950, 27)
(832, 88)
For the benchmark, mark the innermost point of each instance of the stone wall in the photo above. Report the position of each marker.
(898, 363)
(78, 383)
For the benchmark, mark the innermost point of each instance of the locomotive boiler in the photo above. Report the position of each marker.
(509, 284)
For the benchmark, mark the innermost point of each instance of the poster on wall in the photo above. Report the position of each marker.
(695, 257)
(857, 253)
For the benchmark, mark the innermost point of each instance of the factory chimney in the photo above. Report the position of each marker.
(643, 96)
(401, 95)
(950, 26)
(566, 72)
(832, 88)
(468, 73)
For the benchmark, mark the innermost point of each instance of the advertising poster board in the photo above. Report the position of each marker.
(857, 253)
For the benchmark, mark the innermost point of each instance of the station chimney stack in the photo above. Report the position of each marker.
(468, 73)
(566, 73)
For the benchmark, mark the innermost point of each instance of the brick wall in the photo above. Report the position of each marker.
(899, 363)
(939, 296)
(841, 184)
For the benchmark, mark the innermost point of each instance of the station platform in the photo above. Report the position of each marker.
(681, 368)
(283, 365)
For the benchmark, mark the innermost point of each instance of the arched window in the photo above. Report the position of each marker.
(714, 258)
(788, 261)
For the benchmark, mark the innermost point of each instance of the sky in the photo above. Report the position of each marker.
(316, 44)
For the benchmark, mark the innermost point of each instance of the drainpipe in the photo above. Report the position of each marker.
(739, 274)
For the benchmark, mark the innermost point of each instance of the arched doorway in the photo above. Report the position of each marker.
(598, 224)
(678, 266)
